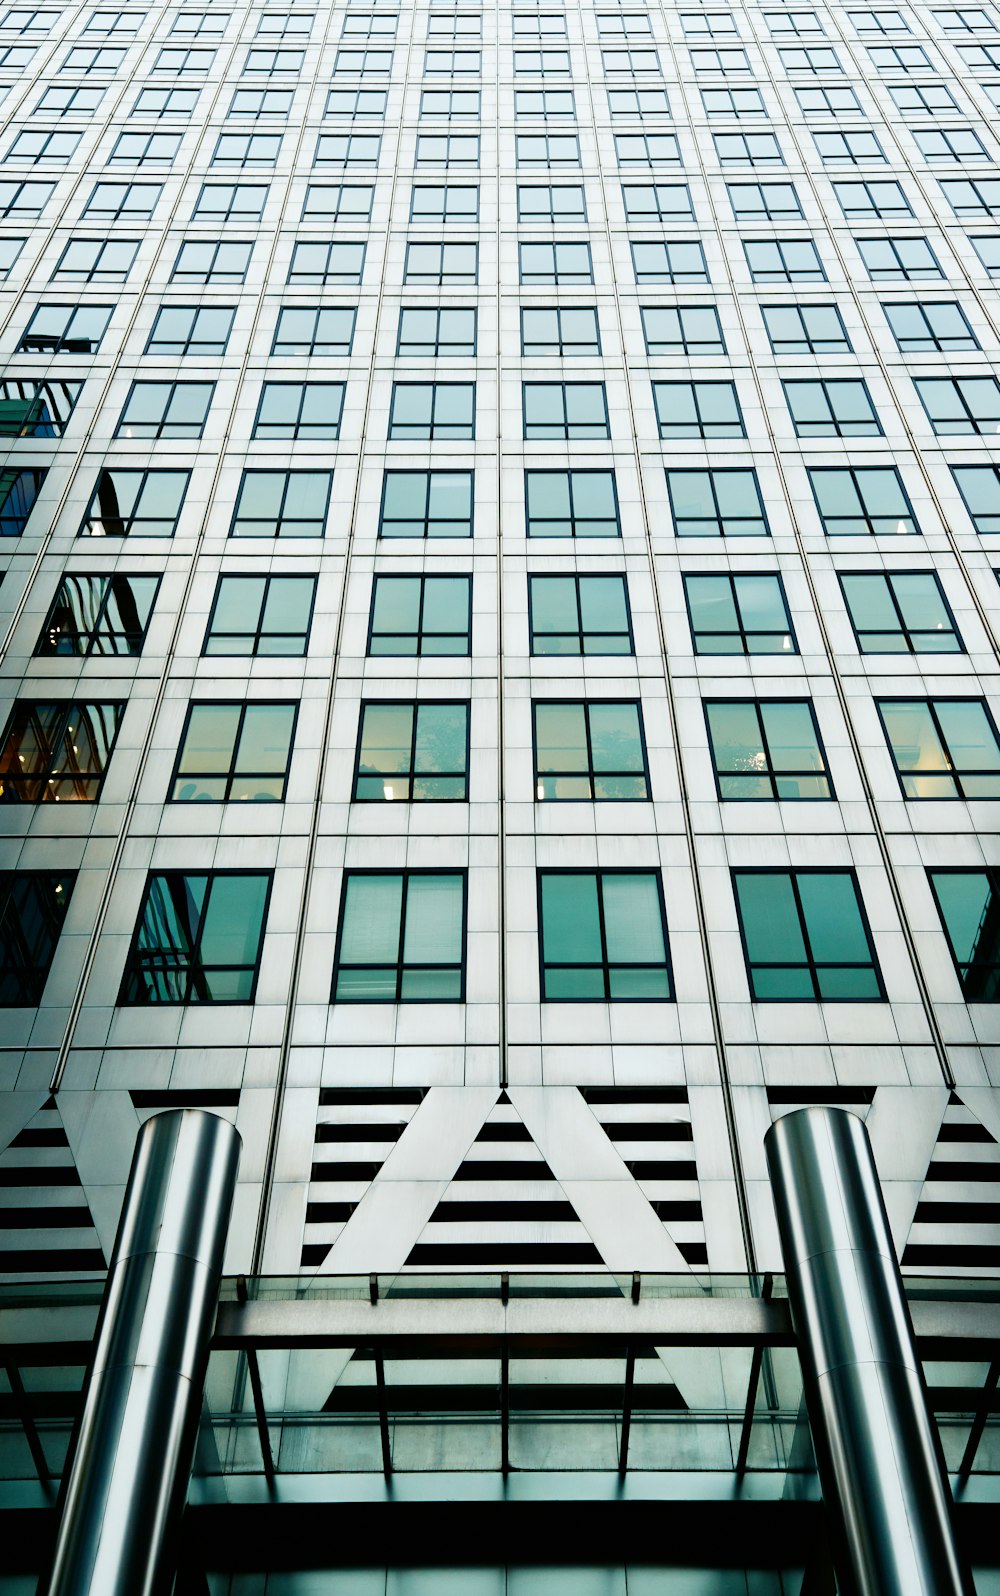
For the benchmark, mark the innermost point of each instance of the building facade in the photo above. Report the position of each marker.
(500, 547)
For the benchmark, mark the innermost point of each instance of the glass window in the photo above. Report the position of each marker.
(66, 329)
(550, 202)
(969, 198)
(541, 63)
(323, 263)
(96, 260)
(948, 144)
(144, 503)
(898, 259)
(667, 261)
(579, 615)
(330, 202)
(805, 937)
(57, 752)
(967, 901)
(300, 410)
(939, 324)
(828, 100)
(18, 492)
(413, 753)
(603, 937)
(864, 500)
(856, 146)
(725, 62)
(871, 200)
(348, 149)
(805, 329)
(165, 410)
(258, 103)
(198, 938)
(593, 751)
(205, 262)
(840, 408)
(815, 58)
(98, 59)
(988, 250)
(638, 103)
(30, 147)
(436, 332)
(722, 502)
(899, 612)
(10, 249)
(452, 149)
(733, 102)
(698, 410)
(421, 615)
(272, 62)
(233, 752)
(783, 260)
(565, 410)
(764, 201)
(222, 202)
(560, 331)
(747, 149)
(546, 149)
(980, 489)
(25, 199)
(739, 614)
(314, 330)
(363, 63)
(647, 149)
(557, 263)
(682, 329)
(98, 614)
(266, 615)
(433, 410)
(145, 149)
(401, 937)
(449, 102)
(927, 98)
(190, 330)
(435, 265)
(160, 102)
(275, 504)
(942, 747)
(444, 202)
(426, 504)
(763, 748)
(959, 405)
(543, 102)
(571, 504)
(33, 408)
(457, 63)
(662, 202)
(356, 102)
(33, 906)
(109, 201)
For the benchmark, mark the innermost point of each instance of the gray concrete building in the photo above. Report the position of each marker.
(500, 538)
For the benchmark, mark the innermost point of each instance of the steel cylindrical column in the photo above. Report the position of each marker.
(129, 1476)
(879, 1463)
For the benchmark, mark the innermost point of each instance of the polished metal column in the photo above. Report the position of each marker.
(879, 1463)
(129, 1476)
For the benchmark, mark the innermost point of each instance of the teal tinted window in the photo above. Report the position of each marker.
(565, 410)
(237, 752)
(165, 410)
(98, 615)
(589, 751)
(841, 408)
(861, 500)
(940, 325)
(723, 503)
(552, 330)
(961, 406)
(805, 329)
(261, 615)
(968, 902)
(766, 749)
(899, 612)
(579, 615)
(805, 937)
(310, 330)
(57, 752)
(571, 504)
(426, 504)
(682, 329)
(421, 615)
(698, 410)
(412, 753)
(145, 503)
(739, 615)
(980, 488)
(401, 938)
(300, 410)
(198, 939)
(18, 492)
(942, 747)
(282, 504)
(603, 936)
(433, 410)
(33, 905)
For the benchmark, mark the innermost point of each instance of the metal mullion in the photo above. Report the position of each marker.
(599, 883)
(403, 898)
(767, 749)
(590, 748)
(804, 930)
(413, 747)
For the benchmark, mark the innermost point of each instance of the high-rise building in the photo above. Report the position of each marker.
(500, 538)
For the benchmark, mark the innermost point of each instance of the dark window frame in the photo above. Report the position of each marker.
(769, 773)
(605, 966)
(590, 774)
(419, 652)
(230, 775)
(410, 775)
(733, 578)
(952, 772)
(400, 965)
(193, 966)
(48, 775)
(905, 632)
(812, 965)
(258, 633)
(581, 633)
